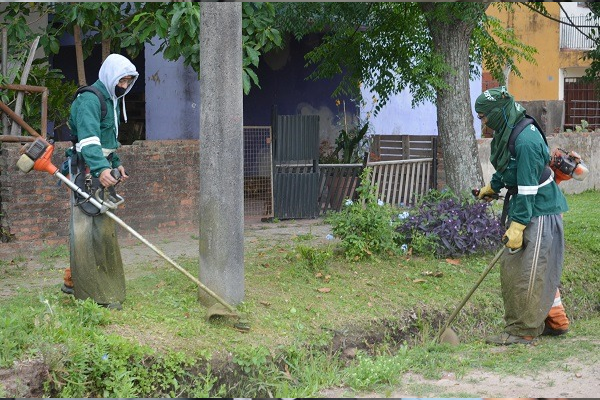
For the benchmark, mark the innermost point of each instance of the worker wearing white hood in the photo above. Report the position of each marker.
(96, 267)
(97, 135)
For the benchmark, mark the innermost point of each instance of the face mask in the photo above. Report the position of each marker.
(119, 91)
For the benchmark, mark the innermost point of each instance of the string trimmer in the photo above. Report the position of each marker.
(38, 155)
(447, 334)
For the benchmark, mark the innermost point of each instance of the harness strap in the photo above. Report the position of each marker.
(545, 179)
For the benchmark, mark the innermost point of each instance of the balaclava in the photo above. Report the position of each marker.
(502, 113)
(115, 67)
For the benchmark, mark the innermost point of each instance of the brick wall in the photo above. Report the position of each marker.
(161, 194)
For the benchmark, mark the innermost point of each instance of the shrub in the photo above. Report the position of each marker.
(365, 227)
(447, 225)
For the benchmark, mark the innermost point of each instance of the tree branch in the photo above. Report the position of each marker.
(571, 24)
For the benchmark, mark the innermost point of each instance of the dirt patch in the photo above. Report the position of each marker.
(25, 269)
(25, 379)
(573, 380)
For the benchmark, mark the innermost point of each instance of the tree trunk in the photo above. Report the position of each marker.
(451, 39)
(105, 49)
(79, 56)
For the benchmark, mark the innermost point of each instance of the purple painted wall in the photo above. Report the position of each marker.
(173, 94)
(172, 99)
(398, 117)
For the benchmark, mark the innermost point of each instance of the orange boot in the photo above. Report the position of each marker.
(556, 322)
(67, 286)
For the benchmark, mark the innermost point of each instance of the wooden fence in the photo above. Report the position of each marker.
(337, 182)
(402, 147)
(398, 182)
(401, 182)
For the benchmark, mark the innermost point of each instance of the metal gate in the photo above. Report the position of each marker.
(581, 103)
(258, 185)
(295, 166)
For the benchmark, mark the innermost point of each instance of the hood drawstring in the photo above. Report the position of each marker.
(116, 117)
(124, 110)
(116, 101)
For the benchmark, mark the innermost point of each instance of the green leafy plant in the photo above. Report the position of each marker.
(315, 259)
(348, 142)
(203, 385)
(369, 372)
(251, 358)
(173, 26)
(353, 139)
(583, 127)
(366, 227)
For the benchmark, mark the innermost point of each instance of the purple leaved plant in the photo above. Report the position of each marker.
(454, 226)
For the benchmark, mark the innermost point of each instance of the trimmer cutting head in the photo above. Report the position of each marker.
(449, 336)
(242, 324)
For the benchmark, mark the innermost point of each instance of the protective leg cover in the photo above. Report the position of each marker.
(96, 263)
(530, 277)
(67, 278)
(557, 317)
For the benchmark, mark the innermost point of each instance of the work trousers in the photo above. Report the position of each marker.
(530, 277)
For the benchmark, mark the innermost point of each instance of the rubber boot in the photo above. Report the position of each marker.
(556, 322)
(67, 286)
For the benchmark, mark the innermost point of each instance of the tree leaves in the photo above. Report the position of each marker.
(175, 26)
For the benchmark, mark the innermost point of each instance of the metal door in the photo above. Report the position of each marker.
(295, 166)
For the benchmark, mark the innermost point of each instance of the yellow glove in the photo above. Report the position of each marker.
(486, 191)
(514, 234)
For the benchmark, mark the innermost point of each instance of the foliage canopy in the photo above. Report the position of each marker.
(388, 47)
(174, 27)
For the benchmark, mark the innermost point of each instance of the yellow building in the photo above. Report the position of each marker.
(556, 77)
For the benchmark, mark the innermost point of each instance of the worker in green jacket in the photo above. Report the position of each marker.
(530, 277)
(96, 268)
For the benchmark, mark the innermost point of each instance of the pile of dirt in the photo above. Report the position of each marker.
(25, 379)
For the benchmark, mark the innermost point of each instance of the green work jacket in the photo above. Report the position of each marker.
(524, 170)
(85, 123)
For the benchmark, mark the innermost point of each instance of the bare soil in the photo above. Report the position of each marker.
(28, 271)
(574, 380)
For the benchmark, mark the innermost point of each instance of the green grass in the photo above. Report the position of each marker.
(51, 254)
(305, 304)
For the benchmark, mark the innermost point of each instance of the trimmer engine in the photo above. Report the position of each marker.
(38, 156)
(567, 165)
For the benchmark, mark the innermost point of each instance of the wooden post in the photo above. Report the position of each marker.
(14, 130)
(4, 71)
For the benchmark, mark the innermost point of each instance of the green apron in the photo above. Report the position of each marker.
(96, 265)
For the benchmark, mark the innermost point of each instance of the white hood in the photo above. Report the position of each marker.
(112, 70)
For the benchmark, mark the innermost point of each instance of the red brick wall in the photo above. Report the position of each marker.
(161, 194)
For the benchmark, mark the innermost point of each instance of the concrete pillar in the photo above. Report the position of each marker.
(221, 152)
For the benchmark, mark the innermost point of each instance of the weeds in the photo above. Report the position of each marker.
(370, 372)
(304, 237)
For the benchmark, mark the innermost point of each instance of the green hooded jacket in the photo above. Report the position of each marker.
(524, 170)
(98, 138)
